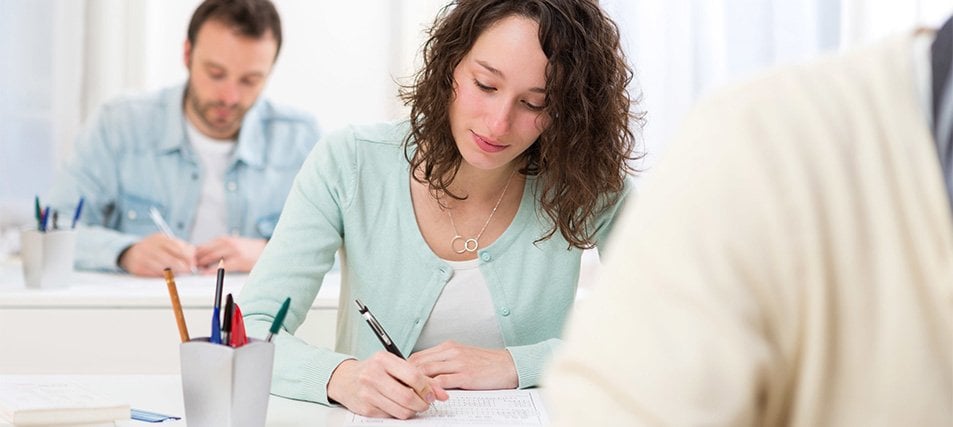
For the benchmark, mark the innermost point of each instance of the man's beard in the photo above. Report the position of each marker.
(204, 112)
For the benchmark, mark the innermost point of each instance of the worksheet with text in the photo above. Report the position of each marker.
(473, 408)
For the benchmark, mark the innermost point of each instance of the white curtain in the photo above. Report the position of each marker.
(41, 45)
(682, 49)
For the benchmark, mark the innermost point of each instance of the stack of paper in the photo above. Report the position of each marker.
(25, 404)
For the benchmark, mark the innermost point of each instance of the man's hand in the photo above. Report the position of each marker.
(383, 386)
(239, 253)
(454, 365)
(155, 252)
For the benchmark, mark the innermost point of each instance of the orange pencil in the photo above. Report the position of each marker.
(176, 305)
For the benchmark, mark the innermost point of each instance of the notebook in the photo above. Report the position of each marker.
(26, 404)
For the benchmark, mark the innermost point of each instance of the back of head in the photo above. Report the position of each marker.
(250, 18)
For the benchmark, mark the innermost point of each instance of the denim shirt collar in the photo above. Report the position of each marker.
(251, 137)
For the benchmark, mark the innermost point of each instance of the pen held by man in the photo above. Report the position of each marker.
(151, 255)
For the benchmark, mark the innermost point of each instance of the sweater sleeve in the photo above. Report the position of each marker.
(531, 359)
(292, 266)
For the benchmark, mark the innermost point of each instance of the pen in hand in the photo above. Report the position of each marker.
(426, 393)
(158, 221)
(378, 330)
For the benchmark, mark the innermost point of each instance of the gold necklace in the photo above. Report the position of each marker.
(473, 243)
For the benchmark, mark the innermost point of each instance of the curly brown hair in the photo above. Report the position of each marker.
(583, 156)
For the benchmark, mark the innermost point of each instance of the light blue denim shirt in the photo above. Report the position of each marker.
(134, 154)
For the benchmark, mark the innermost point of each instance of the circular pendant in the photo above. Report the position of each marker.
(469, 245)
(453, 244)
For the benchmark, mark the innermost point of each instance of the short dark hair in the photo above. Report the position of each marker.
(583, 156)
(250, 18)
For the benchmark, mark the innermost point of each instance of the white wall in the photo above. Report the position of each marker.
(60, 59)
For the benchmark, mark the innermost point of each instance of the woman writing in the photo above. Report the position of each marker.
(461, 228)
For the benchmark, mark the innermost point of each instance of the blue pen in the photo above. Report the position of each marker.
(76, 214)
(216, 337)
(45, 219)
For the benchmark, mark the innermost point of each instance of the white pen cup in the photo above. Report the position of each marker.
(47, 258)
(225, 386)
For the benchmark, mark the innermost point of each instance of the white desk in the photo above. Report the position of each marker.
(163, 394)
(119, 324)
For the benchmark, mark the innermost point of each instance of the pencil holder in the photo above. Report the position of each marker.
(225, 386)
(47, 257)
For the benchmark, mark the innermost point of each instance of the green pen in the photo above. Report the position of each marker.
(279, 319)
(39, 213)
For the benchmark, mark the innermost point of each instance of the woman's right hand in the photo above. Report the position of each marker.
(383, 386)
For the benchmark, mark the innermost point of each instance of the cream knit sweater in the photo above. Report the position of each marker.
(790, 262)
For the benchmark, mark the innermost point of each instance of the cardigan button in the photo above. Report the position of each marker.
(132, 214)
(486, 256)
(505, 311)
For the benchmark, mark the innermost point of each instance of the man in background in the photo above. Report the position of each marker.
(211, 159)
(789, 262)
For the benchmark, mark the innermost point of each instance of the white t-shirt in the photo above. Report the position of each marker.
(464, 311)
(214, 155)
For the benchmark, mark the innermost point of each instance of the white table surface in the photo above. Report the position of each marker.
(93, 289)
(163, 394)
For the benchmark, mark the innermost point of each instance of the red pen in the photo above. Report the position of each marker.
(237, 337)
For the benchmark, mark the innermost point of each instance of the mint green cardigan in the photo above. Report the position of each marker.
(353, 194)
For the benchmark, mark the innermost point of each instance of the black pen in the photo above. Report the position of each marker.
(378, 330)
(227, 320)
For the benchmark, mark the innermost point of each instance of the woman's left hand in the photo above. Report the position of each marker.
(454, 365)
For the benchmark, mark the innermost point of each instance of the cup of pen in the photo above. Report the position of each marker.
(224, 385)
(47, 257)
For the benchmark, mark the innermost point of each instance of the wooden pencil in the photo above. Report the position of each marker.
(176, 305)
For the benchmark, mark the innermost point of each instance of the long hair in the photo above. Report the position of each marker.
(582, 157)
